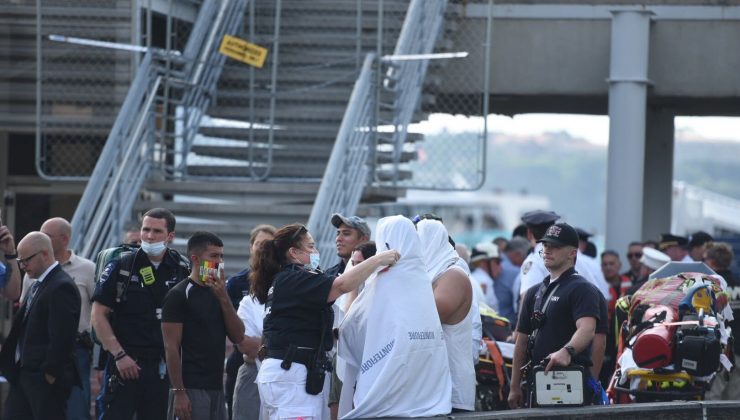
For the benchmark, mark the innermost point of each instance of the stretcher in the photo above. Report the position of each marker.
(672, 338)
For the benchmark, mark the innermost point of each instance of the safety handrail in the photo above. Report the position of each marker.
(405, 78)
(129, 151)
(205, 68)
(346, 173)
(100, 213)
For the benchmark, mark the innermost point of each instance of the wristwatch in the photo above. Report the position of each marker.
(571, 350)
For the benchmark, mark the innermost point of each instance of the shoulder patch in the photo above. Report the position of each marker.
(107, 271)
(526, 267)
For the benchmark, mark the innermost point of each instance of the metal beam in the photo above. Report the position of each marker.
(602, 11)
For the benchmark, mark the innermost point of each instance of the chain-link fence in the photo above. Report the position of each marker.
(82, 83)
(446, 145)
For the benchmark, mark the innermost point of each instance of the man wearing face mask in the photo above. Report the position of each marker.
(126, 313)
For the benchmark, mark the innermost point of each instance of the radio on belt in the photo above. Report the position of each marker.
(560, 387)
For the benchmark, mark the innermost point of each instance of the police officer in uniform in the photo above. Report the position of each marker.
(126, 312)
(298, 310)
(533, 270)
(559, 317)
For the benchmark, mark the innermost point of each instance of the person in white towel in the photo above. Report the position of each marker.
(298, 309)
(391, 355)
(453, 295)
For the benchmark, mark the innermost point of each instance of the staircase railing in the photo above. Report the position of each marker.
(222, 18)
(129, 152)
(405, 77)
(121, 168)
(346, 174)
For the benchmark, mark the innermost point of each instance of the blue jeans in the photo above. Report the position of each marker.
(78, 404)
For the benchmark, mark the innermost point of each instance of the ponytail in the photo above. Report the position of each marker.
(264, 268)
(270, 257)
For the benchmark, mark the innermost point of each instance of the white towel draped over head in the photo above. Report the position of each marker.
(391, 349)
(439, 255)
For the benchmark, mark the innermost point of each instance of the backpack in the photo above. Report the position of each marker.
(127, 255)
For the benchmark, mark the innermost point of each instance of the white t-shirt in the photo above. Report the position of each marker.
(485, 281)
(252, 314)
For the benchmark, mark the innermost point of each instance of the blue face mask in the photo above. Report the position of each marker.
(153, 249)
(313, 263)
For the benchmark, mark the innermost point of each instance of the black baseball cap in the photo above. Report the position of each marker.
(561, 234)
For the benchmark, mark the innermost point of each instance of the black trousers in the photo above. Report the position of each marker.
(32, 397)
(146, 396)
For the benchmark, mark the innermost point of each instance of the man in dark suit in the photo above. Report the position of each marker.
(38, 355)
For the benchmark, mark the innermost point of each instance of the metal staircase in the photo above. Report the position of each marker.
(142, 137)
(227, 150)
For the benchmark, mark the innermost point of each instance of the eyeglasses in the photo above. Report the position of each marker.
(25, 261)
(634, 255)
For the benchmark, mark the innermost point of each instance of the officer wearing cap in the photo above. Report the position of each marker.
(558, 319)
(675, 247)
(533, 270)
(351, 231)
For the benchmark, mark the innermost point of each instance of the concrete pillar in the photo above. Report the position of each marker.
(658, 182)
(628, 83)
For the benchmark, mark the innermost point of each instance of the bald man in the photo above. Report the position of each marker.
(82, 271)
(37, 358)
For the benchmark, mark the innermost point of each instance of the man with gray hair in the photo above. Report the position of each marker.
(38, 355)
(82, 272)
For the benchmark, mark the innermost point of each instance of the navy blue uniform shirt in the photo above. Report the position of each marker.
(575, 298)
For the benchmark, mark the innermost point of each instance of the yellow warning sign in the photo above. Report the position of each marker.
(241, 50)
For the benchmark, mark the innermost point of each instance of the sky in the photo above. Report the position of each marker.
(593, 128)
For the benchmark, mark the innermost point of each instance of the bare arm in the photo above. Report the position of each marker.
(250, 346)
(126, 366)
(597, 354)
(234, 325)
(453, 295)
(585, 328)
(516, 398)
(351, 280)
(172, 335)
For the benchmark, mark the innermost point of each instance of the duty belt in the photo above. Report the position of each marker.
(302, 355)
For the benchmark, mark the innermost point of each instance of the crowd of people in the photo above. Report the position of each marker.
(392, 330)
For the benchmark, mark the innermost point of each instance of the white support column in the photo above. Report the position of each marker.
(628, 83)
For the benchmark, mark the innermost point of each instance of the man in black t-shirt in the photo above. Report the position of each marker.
(563, 328)
(196, 319)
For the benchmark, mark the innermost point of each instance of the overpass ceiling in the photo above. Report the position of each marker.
(558, 64)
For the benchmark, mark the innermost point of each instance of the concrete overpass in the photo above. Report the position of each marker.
(641, 64)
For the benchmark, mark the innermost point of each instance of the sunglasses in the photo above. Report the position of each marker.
(634, 255)
(298, 233)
